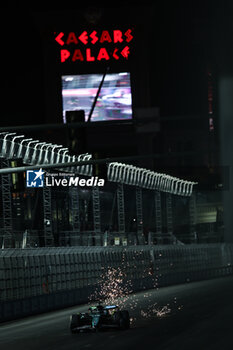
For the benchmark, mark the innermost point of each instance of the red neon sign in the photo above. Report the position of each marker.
(94, 46)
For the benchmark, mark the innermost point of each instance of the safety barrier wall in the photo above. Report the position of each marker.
(42, 279)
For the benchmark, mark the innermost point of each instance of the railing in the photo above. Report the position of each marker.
(33, 238)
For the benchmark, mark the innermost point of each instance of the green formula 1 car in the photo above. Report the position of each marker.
(100, 317)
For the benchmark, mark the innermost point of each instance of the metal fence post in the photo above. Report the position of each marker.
(96, 210)
(169, 213)
(48, 227)
(120, 208)
(6, 206)
(192, 218)
(75, 210)
(158, 214)
(139, 215)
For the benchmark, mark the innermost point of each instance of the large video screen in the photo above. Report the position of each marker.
(114, 101)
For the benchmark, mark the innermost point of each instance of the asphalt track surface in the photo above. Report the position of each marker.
(199, 316)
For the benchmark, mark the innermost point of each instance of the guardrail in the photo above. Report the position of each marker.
(38, 280)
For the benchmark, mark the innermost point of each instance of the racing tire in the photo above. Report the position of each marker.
(74, 323)
(97, 329)
(125, 321)
(122, 319)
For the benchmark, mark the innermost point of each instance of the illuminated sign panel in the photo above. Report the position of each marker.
(94, 45)
(114, 101)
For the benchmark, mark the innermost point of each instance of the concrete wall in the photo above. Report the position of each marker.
(43, 279)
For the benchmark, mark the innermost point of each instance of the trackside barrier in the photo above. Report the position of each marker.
(43, 279)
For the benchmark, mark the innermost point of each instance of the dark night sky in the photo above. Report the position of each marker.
(184, 37)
